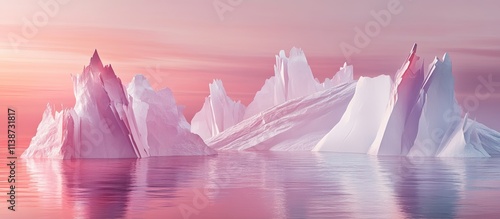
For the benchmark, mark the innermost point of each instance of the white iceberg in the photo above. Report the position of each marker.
(109, 122)
(414, 115)
(218, 113)
(437, 109)
(292, 79)
(422, 118)
(297, 124)
(378, 117)
(162, 121)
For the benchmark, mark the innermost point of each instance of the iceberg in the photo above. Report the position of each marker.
(421, 118)
(442, 131)
(218, 113)
(412, 114)
(415, 115)
(161, 123)
(295, 125)
(108, 121)
(437, 109)
(293, 78)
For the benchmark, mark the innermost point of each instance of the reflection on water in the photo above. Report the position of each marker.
(258, 185)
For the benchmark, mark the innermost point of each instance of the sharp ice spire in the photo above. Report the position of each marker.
(96, 60)
(413, 49)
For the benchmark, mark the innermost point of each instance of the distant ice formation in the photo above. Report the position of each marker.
(292, 79)
(108, 121)
(219, 112)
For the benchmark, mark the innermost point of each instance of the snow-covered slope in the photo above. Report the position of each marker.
(292, 79)
(109, 122)
(359, 124)
(218, 113)
(297, 124)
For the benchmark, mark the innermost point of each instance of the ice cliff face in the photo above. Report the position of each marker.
(397, 117)
(358, 126)
(437, 109)
(442, 130)
(108, 121)
(218, 113)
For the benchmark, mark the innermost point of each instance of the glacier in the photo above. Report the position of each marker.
(111, 121)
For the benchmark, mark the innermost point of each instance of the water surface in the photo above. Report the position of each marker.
(256, 185)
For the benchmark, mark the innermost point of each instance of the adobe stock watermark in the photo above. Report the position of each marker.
(94, 137)
(363, 37)
(91, 138)
(154, 76)
(32, 25)
(224, 6)
(486, 88)
(482, 92)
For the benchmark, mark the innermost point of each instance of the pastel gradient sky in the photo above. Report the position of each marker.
(184, 45)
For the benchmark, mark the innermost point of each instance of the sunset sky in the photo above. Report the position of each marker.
(185, 44)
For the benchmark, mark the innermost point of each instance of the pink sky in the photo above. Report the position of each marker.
(185, 45)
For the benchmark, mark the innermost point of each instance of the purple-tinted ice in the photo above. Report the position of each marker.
(108, 121)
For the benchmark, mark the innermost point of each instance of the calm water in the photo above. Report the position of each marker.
(256, 185)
